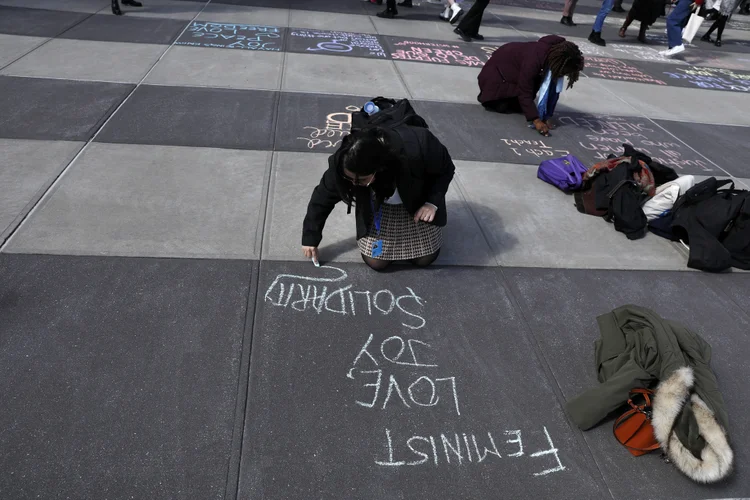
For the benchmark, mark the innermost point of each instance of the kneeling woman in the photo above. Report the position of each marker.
(397, 180)
(519, 72)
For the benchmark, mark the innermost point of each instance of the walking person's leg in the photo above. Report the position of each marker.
(617, 7)
(116, 8)
(390, 10)
(596, 33)
(568, 10)
(468, 28)
(675, 22)
(626, 24)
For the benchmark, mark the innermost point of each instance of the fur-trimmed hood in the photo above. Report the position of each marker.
(673, 399)
(638, 348)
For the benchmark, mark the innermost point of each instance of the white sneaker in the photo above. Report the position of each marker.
(673, 51)
(446, 14)
(457, 12)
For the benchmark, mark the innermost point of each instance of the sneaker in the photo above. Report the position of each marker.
(673, 51)
(446, 15)
(457, 12)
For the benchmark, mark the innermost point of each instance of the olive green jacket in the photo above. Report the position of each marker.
(638, 348)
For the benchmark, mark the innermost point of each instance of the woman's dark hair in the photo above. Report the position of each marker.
(565, 59)
(364, 153)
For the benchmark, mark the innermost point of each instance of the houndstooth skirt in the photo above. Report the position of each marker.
(403, 239)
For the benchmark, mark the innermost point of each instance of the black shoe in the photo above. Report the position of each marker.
(476, 36)
(707, 38)
(405, 3)
(116, 8)
(596, 39)
(617, 8)
(460, 33)
(387, 14)
(567, 21)
(132, 3)
(718, 43)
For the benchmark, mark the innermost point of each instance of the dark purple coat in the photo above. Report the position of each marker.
(516, 70)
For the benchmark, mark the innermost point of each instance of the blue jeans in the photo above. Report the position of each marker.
(676, 21)
(603, 13)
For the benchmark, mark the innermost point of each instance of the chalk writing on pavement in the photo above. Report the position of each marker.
(602, 135)
(328, 135)
(617, 69)
(711, 78)
(232, 36)
(394, 373)
(433, 52)
(336, 43)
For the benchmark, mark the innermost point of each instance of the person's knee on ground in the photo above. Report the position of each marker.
(376, 264)
(426, 260)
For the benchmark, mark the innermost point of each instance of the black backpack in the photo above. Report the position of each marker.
(392, 114)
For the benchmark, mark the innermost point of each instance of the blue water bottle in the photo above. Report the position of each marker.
(370, 108)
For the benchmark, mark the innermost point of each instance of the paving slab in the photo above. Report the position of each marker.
(597, 136)
(340, 438)
(87, 6)
(197, 117)
(533, 224)
(37, 22)
(719, 143)
(429, 81)
(472, 133)
(252, 15)
(121, 375)
(669, 103)
(566, 334)
(335, 43)
(172, 9)
(332, 21)
(420, 30)
(610, 68)
(233, 36)
(13, 47)
(328, 6)
(209, 67)
(314, 122)
(29, 168)
(126, 29)
(34, 108)
(168, 202)
(87, 60)
(700, 77)
(296, 174)
(325, 74)
(590, 95)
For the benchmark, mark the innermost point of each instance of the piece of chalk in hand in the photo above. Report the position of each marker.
(317, 264)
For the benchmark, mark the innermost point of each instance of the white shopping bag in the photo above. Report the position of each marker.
(692, 27)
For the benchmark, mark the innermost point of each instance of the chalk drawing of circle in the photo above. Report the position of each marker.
(333, 47)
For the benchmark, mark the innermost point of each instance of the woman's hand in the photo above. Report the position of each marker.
(541, 127)
(310, 253)
(426, 213)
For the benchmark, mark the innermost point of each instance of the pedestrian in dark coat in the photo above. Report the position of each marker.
(511, 79)
(468, 28)
(397, 179)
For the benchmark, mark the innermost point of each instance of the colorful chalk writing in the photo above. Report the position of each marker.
(616, 69)
(710, 78)
(329, 136)
(433, 52)
(604, 135)
(232, 36)
(336, 43)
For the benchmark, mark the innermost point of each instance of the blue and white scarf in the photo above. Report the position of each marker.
(546, 98)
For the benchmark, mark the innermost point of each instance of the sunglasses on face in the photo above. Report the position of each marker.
(362, 182)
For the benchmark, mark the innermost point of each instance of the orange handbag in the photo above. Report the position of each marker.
(633, 428)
